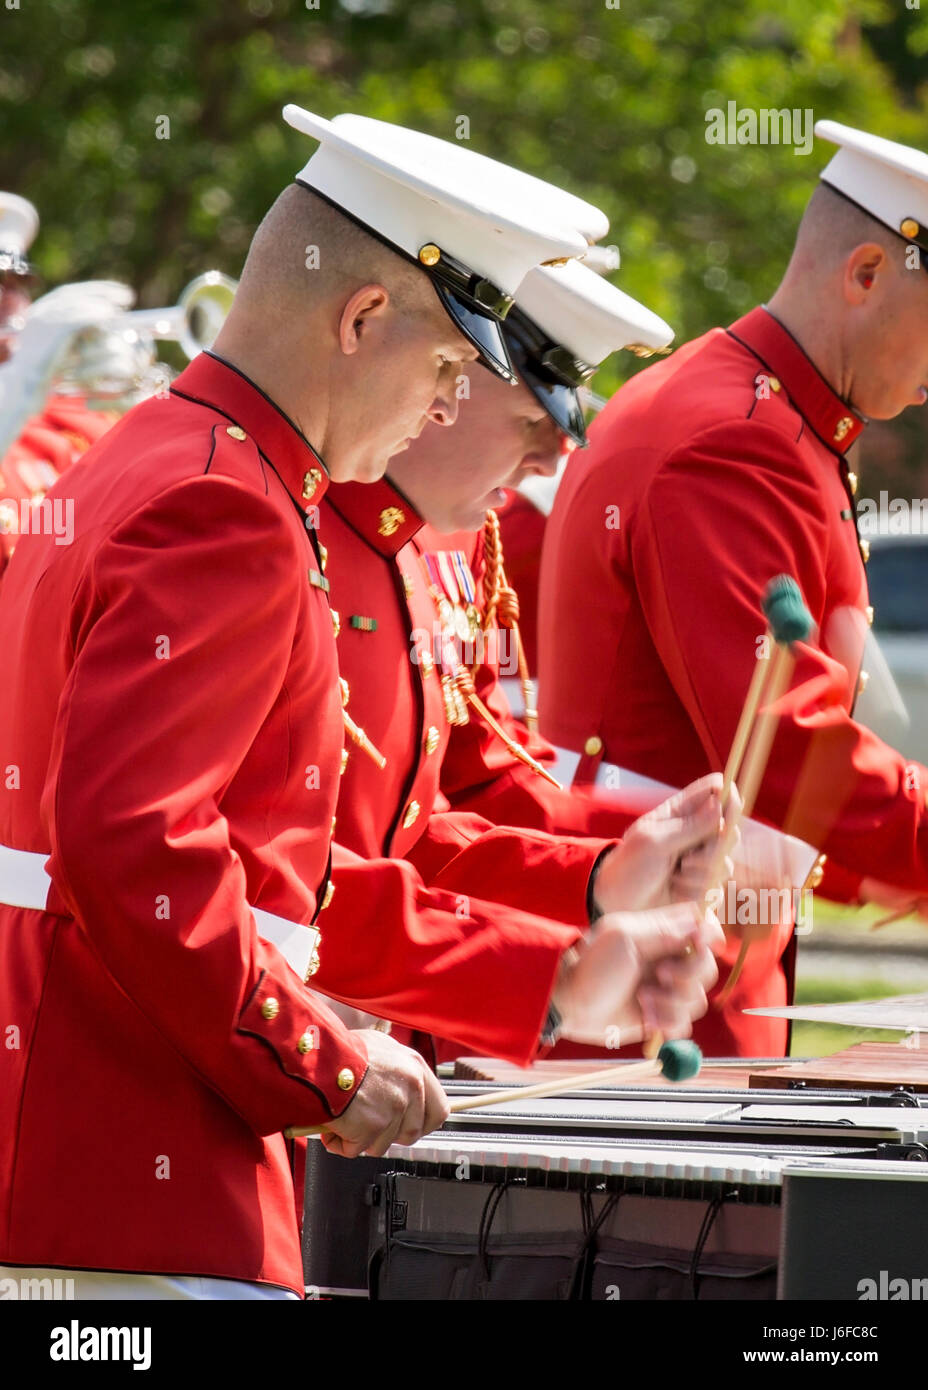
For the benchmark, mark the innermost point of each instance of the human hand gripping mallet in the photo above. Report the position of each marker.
(788, 621)
(677, 1061)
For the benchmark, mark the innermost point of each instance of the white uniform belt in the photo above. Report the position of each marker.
(24, 882)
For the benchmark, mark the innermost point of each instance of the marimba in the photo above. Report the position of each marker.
(720, 1188)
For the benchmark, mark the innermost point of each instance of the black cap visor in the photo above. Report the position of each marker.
(479, 327)
(562, 402)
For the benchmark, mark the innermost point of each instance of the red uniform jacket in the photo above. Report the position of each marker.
(48, 445)
(171, 734)
(449, 794)
(709, 474)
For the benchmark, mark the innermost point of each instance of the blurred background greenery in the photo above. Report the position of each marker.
(607, 96)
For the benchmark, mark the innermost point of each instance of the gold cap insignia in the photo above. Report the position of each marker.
(909, 227)
(842, 427)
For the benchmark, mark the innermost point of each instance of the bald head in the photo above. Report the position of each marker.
(855, 298)
(831, 228)
(346, 335)
(305, 251)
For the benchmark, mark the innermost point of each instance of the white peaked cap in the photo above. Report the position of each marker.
(19, 223)
(586, 314)
(888, 180)
(414, 190)
(567, 321)
(474, 226)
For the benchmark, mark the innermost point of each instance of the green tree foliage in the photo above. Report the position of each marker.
(608, 97)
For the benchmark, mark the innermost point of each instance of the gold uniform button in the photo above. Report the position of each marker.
(305, 1043)
(412, 814)
(313, 965)
(863, 682)
(816, 873)
(336, 621)
(345, 689)
(593, 745)
(432, 739)
(344, 762)
(869, 612)
(323, 556)
(332, 828)
(429, 254)
(908, 227)
(865, 550)
(328, 896)
(843, 428)
(311, 481)
(235, 432)
(270, 1009)
(409, 586)
(775, 383)
(852, 483)
(426, 664)
(345, 1079)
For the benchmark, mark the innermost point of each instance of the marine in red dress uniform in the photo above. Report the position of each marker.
(452, 790)
(172, 736)
(709, 474)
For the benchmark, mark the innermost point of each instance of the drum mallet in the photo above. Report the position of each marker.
(677, 1061)
(788, 621)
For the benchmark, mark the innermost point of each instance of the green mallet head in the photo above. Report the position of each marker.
(787, 616)
(680, 1060)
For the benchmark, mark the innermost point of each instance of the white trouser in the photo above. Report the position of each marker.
(24, 882)
(34, 1284)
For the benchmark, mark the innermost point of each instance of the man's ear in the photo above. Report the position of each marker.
(861, 269)
(366, 304)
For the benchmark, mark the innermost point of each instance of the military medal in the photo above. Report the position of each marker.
(452, 620)
(445, 610)
(448, 572)
(469, 590)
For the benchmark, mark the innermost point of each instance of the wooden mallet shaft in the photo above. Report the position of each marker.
(678, 1061)
(605, 1076)
(789, 621)
(745, 723)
